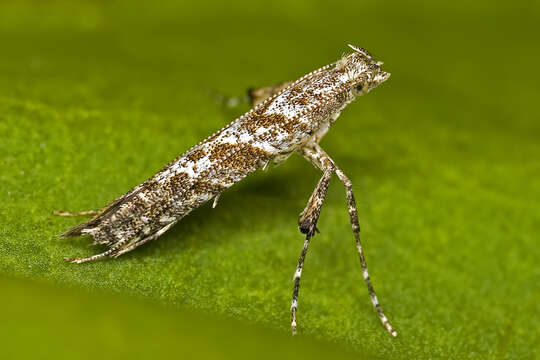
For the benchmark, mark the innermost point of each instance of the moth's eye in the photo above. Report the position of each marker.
(359, 87)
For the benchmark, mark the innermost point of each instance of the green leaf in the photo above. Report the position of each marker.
(95, 97)
(65, 324)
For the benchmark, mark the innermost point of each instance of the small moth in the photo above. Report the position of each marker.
(287, 118)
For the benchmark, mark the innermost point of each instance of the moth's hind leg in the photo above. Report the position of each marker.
(105, 254)
(138, 243)
(79, 213)
(258, 95)
(121, 247)
(253, 96)
(228, 101)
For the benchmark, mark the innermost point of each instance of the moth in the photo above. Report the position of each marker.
(287, 118)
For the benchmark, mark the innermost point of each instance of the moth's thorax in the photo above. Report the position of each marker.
(308, 105)
(305, 110)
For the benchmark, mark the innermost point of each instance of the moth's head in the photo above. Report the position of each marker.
(360, 72)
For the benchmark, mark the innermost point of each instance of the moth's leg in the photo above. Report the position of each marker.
(310, 215)
(79, 213)
(258, 95)
(75, 260)
(112, 250)
(316, 155)
(253, 96)
(353, 215)
(92, 212)
(308, 226)
(121, 247)
(297, 275)
(142, 241)
(228, 101)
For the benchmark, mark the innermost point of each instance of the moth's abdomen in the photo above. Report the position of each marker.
(182, 186)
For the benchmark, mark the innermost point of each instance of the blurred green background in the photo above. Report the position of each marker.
(96, 96)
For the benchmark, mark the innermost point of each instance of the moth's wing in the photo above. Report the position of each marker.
(114, 206)
(103, 214)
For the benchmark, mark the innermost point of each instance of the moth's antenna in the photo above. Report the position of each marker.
(360, 50)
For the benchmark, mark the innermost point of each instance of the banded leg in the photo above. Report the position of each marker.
(353, 215)
(118, 248)
(316, 155)
(143, 240)
(297, 275)
(308, 225)
(310, 215)
(80, 213)
(113, 249)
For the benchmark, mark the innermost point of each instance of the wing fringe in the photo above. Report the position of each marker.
(103, 214)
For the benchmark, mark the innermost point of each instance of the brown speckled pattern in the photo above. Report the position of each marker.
(289, 117)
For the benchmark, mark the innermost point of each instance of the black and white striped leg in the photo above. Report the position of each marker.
(308, 225)
(113, 250)
(297, 275)
(353, 215)
(318, 157)
(120, 247)
(309, 217)
(143, 241)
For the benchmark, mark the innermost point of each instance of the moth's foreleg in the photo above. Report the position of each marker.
(316, 155)
(309, 217)
(308, 225)
(353, 215)
(79, 213)
(296, 279)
